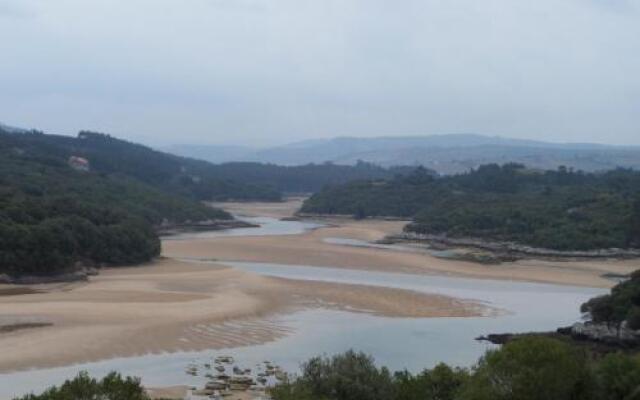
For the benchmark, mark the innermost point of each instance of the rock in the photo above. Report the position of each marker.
(216, 385)
(604, 332)
(192, 370)
(223, 377)
(220, 368)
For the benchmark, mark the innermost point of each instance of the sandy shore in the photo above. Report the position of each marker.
(170, 305)
(311, 249)
(173, 306)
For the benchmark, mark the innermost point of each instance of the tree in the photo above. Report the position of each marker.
(533, 368)
(348, 376)
(83, 387)
(618, 378)
(440, 383)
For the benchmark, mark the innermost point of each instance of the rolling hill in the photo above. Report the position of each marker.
(446, 154)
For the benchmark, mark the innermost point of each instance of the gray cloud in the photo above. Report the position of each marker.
(272, 71)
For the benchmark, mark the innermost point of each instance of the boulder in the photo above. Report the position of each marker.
(216, 385)
(608, 333)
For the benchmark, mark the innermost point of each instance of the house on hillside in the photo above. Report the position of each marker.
(79, 163)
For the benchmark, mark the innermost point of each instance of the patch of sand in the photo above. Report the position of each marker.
(174, 306)
(311, 249)
(171, 306)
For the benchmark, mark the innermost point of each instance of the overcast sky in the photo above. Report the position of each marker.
(263, 72)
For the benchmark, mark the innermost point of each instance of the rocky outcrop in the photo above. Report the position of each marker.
(510, 249)
(606, 333)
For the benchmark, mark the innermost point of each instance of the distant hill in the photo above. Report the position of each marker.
(446, 154)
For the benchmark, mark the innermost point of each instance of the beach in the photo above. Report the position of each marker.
(175, 306)
(190, 300)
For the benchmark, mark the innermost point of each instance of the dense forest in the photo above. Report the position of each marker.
(306, 178)
(53, 216)
(561, 209)
(183, 176)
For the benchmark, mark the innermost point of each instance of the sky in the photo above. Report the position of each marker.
(268, 72)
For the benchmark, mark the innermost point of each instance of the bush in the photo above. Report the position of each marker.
(83, 387)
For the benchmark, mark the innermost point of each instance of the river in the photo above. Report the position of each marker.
(399, 343)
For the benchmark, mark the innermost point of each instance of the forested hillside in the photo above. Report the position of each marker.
(202, 180)
(197, 179)
(305, 178)
(561, 209)
(53, 216)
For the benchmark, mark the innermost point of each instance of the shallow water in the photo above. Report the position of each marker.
(268, 226)
(411, 343)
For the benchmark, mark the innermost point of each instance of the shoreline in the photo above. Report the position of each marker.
(173, 306)
(169, 305)
(511, 251)
(310, 248)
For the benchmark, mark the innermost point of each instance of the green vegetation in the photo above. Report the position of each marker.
(205, 181)
(305, 178)
(83, 387)
(530, 368)
(563, 209)
(178, 175)
(53, 216)
(622, 304)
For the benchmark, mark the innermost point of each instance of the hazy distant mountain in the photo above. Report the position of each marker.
(443, 153)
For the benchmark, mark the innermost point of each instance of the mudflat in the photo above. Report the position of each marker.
(311, 248)
(171, 305)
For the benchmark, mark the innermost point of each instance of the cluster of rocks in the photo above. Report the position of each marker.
(226, 378)
(604, 333)
(508, 250)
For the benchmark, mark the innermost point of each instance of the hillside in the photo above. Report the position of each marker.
(202, 180)
(54, 217)
(561, 209)
(305, 178)
(446, 154)
(179, 175)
